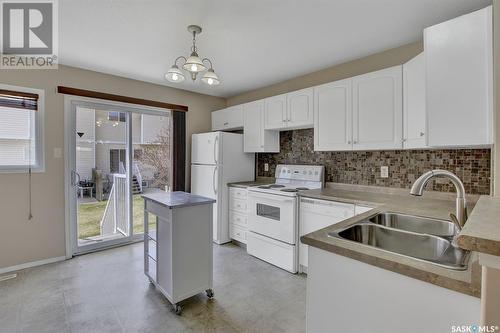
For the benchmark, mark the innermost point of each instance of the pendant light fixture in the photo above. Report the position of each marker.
(193, 64)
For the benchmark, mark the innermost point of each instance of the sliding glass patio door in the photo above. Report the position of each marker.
(116, 153)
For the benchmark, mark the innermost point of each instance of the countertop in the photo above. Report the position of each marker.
(177, 199)
(432, 205)
(251, 183)
(481, 232)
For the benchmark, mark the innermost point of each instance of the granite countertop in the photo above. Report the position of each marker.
(468, 281)
(481, 232)
(177, 199)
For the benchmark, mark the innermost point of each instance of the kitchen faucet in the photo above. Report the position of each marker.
(460, 215)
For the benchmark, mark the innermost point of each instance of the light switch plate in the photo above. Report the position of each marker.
(57, 153)
(266, 166)
(384, 172)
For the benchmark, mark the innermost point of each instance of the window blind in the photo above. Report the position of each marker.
(18, 100)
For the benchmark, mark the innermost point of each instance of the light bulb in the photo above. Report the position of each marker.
(175, 77)
(194, 68)
(210, 81)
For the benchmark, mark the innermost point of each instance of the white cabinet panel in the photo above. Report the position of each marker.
(318, 214)
(256, 138)
(275, 112)
(414, 125)
(377, 110)
(300, 109)
(458, 56)
(228, 119)
(333, 116)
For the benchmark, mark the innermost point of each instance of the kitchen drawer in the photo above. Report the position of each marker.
(238, 205)
(238, 233)
(237, 193)
(238, 219)
(158, 210)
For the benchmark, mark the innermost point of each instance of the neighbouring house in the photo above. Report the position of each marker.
(101, 145)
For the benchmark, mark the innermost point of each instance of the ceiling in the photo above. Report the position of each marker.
(253, 43)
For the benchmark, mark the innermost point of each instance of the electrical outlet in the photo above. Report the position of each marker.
(384, 172)
(266, 166)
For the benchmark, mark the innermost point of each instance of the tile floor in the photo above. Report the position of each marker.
(108, 292)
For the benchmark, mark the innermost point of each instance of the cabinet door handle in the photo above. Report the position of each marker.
(349, 142)
(226, 123)
(355, 142)
(403, 140)
(422, 133)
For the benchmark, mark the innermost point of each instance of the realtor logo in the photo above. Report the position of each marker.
(29, 34)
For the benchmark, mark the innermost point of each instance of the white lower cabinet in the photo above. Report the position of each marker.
(238, 220)
(317, 214)
(347, 295)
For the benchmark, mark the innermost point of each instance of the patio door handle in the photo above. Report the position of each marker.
(75, 178)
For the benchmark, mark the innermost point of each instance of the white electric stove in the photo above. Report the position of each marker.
(273, 214)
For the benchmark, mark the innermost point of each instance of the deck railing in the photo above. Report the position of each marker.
(114, 219)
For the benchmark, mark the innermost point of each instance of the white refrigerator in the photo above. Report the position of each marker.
(217, 158)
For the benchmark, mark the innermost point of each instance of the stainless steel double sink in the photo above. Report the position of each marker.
(421, 238)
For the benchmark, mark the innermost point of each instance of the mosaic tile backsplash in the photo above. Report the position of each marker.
(363, 167)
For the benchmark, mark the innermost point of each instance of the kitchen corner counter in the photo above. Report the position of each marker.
(481, 232)
(467, 282)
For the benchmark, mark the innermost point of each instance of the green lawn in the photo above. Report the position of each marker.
(90, 215)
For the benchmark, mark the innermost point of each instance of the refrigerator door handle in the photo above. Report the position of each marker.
(216, 142)
(213, 180)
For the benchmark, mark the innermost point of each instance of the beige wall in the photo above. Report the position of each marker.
(364, 65)
(43, 237)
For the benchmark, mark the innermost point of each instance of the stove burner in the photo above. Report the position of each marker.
(289, 190)
(276, 186)
(301, 188)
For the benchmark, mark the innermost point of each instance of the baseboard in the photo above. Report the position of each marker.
(31, 264)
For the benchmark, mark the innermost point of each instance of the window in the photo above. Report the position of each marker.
(116, 116)
(21, 129)
(117, 157)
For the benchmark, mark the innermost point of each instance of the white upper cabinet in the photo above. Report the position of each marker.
(458, 56)
(333, 116)
(289, 111)
(378, 110)
(228, 119)
(300, 109)
(275, 113)
(414, 125)
(255, 137)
